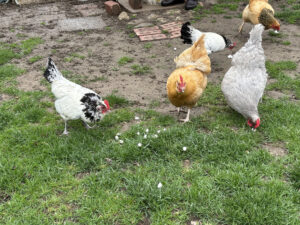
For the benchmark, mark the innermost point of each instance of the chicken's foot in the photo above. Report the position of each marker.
(65, 130)
(187, 119)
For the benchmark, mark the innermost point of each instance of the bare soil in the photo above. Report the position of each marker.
(103, 48)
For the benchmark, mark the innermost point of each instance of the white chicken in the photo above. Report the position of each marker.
(213, 42)
(74, 101)
(244, 83)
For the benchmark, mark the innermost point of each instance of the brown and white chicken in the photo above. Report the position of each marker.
(188, 81)
(260, 11)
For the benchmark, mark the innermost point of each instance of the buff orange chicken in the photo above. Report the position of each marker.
(188, 81)
(260, 11)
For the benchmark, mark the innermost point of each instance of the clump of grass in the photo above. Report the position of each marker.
(274, 34)
(72, 56)
(28, 45)
(284, 82)
(6, 55)
(116, 101)
(124, 60)
(154, 104)
(140, 70)
(148, 45)
(286, 42)
(165, 32)
(20, 35)
(290, 13)
(9, 71)
(101, 78)
(131, 35)
(34, 59)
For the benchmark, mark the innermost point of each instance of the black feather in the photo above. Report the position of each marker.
(186, 33)
(90, 101)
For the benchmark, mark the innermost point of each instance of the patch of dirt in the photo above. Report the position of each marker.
(4, 97)
(4, 197)
(82, 175)
(276, 94)
(145, 221)
(103, 49)
(276, 150)
(31, 81)
(187, 164)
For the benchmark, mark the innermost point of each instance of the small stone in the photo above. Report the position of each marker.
(162, 20)
(175, 49)
(152, 16)
(137, 118)
(178, 18)
(123, 16)
(229, 56)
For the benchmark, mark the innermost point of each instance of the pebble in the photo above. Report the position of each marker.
(123, 16)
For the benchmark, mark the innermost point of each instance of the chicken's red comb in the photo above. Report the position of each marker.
(181, 79)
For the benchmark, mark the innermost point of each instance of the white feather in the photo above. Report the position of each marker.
(213, 42)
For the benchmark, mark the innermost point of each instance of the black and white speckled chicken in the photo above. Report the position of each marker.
(74, 101)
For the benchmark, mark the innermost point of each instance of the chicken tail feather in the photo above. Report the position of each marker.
(52, 73)
(198, 49)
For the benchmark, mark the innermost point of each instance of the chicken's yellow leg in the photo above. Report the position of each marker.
(187, 119)
(241, 27)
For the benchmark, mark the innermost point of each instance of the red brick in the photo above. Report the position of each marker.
(152, 37)
(112, 8)
(147, 31)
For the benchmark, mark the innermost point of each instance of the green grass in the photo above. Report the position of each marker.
(148, 45)
(283, 82)
(140, 70)
(34, 59)
(124, 60)
(224, 177)
(73, 56)
(290, 12)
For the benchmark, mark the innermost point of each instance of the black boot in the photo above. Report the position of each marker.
(190, 4)
(171, 2)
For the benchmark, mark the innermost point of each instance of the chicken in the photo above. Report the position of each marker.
(244, 83)
(260, 11)
(186, 83)
(213, 42)
(74, 101)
